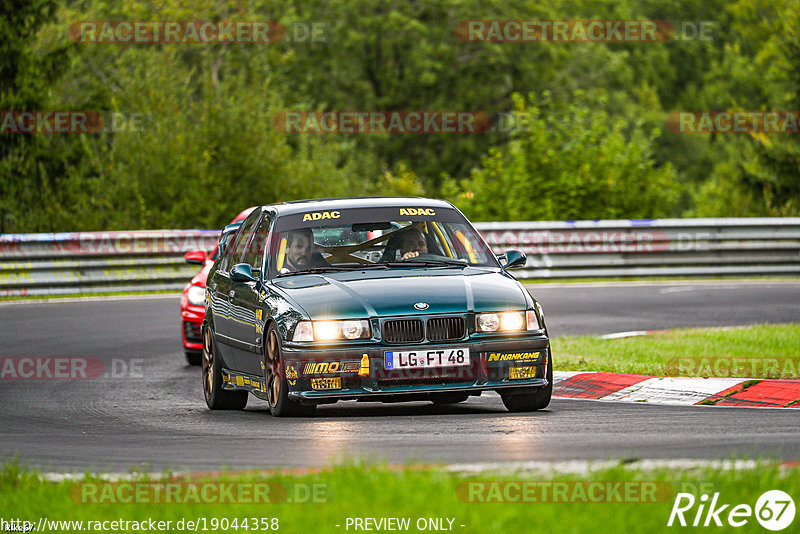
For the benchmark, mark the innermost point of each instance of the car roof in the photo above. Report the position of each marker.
(302, 206)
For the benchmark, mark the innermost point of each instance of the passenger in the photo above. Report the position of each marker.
(412, 243)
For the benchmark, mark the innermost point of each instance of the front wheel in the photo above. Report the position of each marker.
(539, 399)
(216, 397)
(275, 379)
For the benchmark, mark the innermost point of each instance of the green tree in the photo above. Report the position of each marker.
(780, 154)
(757, 70)
(568, 163)
(30, 166)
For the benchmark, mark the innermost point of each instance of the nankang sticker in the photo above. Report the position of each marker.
(513, 356)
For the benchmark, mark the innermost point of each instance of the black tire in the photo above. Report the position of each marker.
(538, 399)
(194, 357)
(275, 379)
(216, 397)
(454, 398)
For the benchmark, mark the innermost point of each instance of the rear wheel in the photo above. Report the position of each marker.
(275, 379)
(537, 399)
(216, 397)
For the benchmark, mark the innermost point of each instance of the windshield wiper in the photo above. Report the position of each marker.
(426, 263)
(333, 269)
(312, 270)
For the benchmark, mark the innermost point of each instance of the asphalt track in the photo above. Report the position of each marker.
(154, 417)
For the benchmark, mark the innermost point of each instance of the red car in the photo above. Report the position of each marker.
(193, 299)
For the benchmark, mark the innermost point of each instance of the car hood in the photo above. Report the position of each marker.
(386, 294)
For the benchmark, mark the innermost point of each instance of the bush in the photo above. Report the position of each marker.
(569, 163)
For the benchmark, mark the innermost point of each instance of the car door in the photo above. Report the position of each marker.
(225, 323)
(247, 324)
(218, 286)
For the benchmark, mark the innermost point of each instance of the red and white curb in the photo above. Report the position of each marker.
(676, 390)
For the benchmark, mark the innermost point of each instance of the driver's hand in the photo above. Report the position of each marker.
(410, 254)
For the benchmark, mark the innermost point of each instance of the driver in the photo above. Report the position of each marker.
(301, 252)
(412, 243)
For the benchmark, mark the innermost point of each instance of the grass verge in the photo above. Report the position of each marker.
(610, 500)
(761, 351)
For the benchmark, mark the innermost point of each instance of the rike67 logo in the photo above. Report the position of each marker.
(774, 510)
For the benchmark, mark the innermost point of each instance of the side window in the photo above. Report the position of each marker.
(242, 238)
(254, 250)
(225, 260)
(466, 244)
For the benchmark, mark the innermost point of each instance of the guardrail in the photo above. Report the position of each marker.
(89, 262)
(659, 247)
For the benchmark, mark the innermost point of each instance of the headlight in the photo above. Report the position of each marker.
(354, 329)
(326, 330)
(488, 322)
(331, 330)
(506, 321)
(196, 295)
(512, 321)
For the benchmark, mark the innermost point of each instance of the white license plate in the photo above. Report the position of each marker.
(418, 359)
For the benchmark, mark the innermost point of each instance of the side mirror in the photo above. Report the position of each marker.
(226, 233)
(242, 272)
(197, 257)
(513, 259)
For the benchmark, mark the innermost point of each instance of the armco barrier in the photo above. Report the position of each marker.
(88, 262)
(660, 247)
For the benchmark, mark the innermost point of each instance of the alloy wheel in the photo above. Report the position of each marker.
(208, 364)
(273, 381)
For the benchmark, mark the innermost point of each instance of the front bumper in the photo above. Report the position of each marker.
(488, 370)
(191, 323)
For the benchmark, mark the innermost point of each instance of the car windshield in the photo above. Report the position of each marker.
(384, 238)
